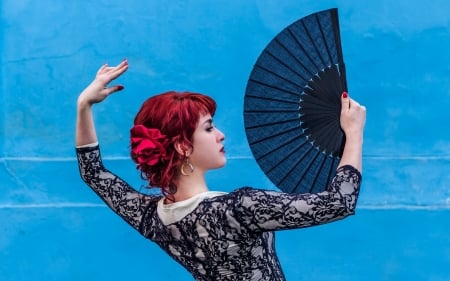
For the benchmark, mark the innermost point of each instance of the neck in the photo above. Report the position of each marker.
(189, 186)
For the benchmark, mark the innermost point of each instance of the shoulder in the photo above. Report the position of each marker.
(245, 194)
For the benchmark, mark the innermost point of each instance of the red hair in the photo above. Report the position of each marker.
(176, 116)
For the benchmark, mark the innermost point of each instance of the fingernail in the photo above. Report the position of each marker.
(344, 95)
(120, 88)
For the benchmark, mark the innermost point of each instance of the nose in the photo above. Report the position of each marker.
(220, 135)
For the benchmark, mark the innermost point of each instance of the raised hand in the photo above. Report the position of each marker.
(98, 90)
(353, 119)
(353, 116)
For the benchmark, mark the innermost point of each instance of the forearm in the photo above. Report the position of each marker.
(352, 154)
(85, 129)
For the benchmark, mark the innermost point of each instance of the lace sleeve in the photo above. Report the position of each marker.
(115, 192)
(270, 210)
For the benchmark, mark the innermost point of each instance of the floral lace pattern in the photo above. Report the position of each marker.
(227, 237)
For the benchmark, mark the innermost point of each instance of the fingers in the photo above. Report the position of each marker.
(107, 73)
(348, 102)
(111, 90)
(352, 118)
(351, 108)
(119, 69)
(102, 68)
(345, 100)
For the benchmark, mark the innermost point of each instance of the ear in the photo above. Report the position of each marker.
(183, 148)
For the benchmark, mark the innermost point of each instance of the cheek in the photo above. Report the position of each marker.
(205, 148)
(203, 141)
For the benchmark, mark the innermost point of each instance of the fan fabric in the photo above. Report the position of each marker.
(292, 104)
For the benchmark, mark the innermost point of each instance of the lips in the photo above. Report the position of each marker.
(222, 149)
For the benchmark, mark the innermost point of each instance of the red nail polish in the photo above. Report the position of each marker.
(120, 88)
(344, 95)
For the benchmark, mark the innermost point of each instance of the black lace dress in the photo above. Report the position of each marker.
(228, 236)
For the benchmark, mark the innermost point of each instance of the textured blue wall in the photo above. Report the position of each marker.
(52, 227)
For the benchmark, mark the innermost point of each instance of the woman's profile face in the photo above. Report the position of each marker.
(208, 150)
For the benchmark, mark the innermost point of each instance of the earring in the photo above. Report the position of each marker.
(186, 168)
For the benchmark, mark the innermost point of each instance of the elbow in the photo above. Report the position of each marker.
(84, 176)
(345, 213)
(351, 211)
(349, 205)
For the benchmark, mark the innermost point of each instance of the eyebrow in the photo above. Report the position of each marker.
(209, 121)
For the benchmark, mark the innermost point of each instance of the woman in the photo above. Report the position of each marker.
(214, 235)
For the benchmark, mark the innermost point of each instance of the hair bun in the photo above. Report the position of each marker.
(148, 146)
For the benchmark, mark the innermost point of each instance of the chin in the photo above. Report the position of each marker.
(221, 165)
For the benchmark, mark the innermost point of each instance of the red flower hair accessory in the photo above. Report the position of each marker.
(148, 146)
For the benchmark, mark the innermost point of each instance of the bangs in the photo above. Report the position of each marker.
(202, 104)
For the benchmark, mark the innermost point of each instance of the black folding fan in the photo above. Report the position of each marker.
(292, 104)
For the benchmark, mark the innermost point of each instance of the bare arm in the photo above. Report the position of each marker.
(96, 92)
(353, 118)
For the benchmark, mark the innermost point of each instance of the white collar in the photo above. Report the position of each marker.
(173, 212)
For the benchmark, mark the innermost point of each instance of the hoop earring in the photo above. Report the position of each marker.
(186, 168)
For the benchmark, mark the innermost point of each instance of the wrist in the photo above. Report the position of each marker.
(355, 138)
(83, 104)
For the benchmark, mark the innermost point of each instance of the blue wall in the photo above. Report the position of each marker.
(52, 227)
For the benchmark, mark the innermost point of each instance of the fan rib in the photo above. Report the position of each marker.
(277, 75)
(294, 57)
(273, 99)
(337, 36)
(325, 86)
(277, 59)
(320, 125)
(323, 36)
(279, 147)
(262, 125)
(328, 139)
(337, 39)
(308, 168)
(287, 156)
(304, 170)
(333, 168)
(304, 51)
(313, 44)
(313, 185)
(275, 135)
(273, 87)
(314, 100)
(269, 110)
(317, 89)
(285, 64)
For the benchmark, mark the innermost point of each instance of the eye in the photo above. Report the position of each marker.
(210, 129)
